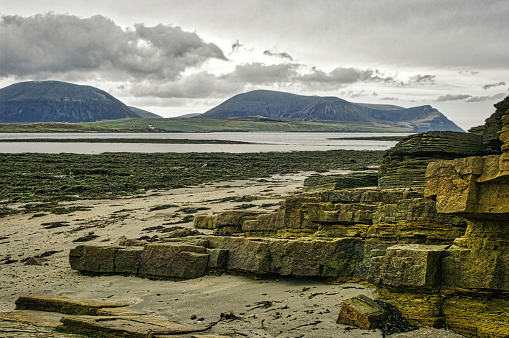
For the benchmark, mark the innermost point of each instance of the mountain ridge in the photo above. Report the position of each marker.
(56, 101)
(329, 109)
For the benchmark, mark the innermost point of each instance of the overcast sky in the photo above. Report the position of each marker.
(175, 57)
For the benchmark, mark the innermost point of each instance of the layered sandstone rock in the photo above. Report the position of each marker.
(405, 164)
(492, 127)
(341, 181)
(471, 293)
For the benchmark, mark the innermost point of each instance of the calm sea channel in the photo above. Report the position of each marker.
(259, 142)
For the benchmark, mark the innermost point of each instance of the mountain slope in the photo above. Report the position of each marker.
(285, 106)
(55, 101)
(144, 113)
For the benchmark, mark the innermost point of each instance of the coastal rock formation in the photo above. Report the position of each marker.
(492, 127)
(341, 181)
(405, 164)
(471, 295)
(440, 254)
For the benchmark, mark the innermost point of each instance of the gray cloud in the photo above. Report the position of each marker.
(469, 98)
(498, 96)
(198, 85)
(422, 79)
(250, 75)
(236, 45)
(491, 85)
(260, 73)
(453, 97)
(55, 44)
(283, 55)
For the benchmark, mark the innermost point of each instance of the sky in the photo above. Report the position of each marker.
(174, 57)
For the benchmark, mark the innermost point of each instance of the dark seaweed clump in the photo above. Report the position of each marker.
(31, 177)
(394, 322)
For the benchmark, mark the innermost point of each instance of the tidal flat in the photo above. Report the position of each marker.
(49, 178)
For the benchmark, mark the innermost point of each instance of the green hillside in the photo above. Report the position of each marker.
(202, 124)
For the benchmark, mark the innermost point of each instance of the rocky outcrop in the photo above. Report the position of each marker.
(378, 216)
(492, 127)
(405, 164)
(440, 254)
(468, 285)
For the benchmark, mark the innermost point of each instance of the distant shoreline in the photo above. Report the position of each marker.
(124, 140)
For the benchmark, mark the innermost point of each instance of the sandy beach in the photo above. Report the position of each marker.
(283, 307)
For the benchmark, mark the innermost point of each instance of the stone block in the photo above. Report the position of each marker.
(173, 260)
(454, 193)
(127, 260)
(217, 258)
(361, 312)
(475, 267)
(243, 254)
(413, 265)
(93, 258)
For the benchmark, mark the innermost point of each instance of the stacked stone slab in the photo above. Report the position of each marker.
(378, 216)
(405, 164)
(341, 181)
(193, 257)
(177, 260)
(492, 127)
(466, 285)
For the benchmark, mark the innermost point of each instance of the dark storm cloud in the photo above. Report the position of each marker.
(491, 85)
(52, 44)
(283, 55)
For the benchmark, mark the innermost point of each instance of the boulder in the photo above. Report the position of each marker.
(361, 312)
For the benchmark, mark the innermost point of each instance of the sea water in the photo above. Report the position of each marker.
(258, 142)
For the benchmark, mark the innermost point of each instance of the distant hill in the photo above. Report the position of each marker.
(144, 113)
(55, 101)
(286, 106)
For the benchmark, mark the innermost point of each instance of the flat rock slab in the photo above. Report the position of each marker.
(123, 326)
(95, 318)
(66, 305)
(37, 318)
